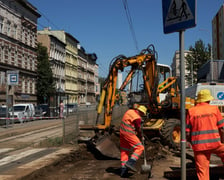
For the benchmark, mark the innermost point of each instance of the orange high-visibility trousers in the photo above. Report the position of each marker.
(202, 160)
(130, 143)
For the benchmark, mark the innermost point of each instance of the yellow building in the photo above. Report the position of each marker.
(71, 66)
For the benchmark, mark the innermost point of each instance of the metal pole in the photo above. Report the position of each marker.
(7, 104)
(183, 123)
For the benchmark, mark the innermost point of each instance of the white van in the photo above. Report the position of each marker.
(216, 89)
(22, 111)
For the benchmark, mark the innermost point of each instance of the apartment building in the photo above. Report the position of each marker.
(80, 69)
(56, 54)
(218, 34)
(18, 27)
(176, 65)
(86, 76)
(97, 83)
(71, 68)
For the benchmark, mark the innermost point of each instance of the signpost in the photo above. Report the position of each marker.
(12, 79)
(179, 15)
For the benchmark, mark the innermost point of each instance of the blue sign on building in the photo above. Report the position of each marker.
(220, 95)
(178, 15)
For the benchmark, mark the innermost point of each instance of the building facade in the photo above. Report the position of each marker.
(75, 71)
(18, 39)
(80, 69)
(86, 77)
(71, 68)
(218, 34)
(56, 54)
(97, 83)
(176, 66)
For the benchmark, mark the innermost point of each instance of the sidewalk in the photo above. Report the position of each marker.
(25, 162)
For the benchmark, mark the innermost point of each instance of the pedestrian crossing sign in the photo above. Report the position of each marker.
(178, 15)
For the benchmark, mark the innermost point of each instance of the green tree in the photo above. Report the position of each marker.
(199, 55)
(45, 80)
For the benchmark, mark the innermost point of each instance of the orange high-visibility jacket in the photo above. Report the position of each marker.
(127, 124)
(203, 122)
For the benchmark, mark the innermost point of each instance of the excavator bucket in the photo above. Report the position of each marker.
(107, 147)
(103, 143)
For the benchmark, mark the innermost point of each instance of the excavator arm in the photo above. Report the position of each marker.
(160, 108)
(145, 61)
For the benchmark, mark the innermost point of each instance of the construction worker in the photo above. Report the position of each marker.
(204, 130)
(130, 135)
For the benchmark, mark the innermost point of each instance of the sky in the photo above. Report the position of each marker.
(101, 26)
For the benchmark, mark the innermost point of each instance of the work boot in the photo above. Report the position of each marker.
(124, 172)
(130, 165)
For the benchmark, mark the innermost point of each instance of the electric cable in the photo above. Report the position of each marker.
(125, 4)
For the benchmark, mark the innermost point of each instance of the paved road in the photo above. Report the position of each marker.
(20, 155)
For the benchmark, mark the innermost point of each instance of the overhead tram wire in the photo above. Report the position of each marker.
(125, 3)
(48, 20)
(103, 70)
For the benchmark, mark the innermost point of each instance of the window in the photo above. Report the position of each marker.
(23, 85)
(8, 28)
(33, 63)
(33, 87)
(28, 86)
(14, 31)
(16, 59)
(1, 24)
(28, 62)
(2, 51)
(23, 60)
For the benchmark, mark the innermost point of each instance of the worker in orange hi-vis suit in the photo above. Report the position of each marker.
(130, 132)
(204, 129)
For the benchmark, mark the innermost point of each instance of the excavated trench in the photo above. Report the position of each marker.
(83, 164)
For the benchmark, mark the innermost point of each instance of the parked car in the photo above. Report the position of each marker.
(3, 115)
(39, 111)
(3, 111)
(45, 109)
(22, 111)
(71, 108)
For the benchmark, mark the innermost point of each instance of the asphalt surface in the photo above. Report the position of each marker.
(29, 162)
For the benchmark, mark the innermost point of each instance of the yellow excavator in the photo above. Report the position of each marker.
(161, 96)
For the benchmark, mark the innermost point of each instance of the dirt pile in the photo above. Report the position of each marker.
(83, 164)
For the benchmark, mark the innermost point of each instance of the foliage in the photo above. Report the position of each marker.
(45, 81)
(199, 55)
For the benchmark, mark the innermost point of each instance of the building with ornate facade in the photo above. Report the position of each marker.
(75, 71)
(18, 29)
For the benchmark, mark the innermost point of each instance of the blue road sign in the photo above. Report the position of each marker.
(13, 77)
(220, 95)
(178, 15)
